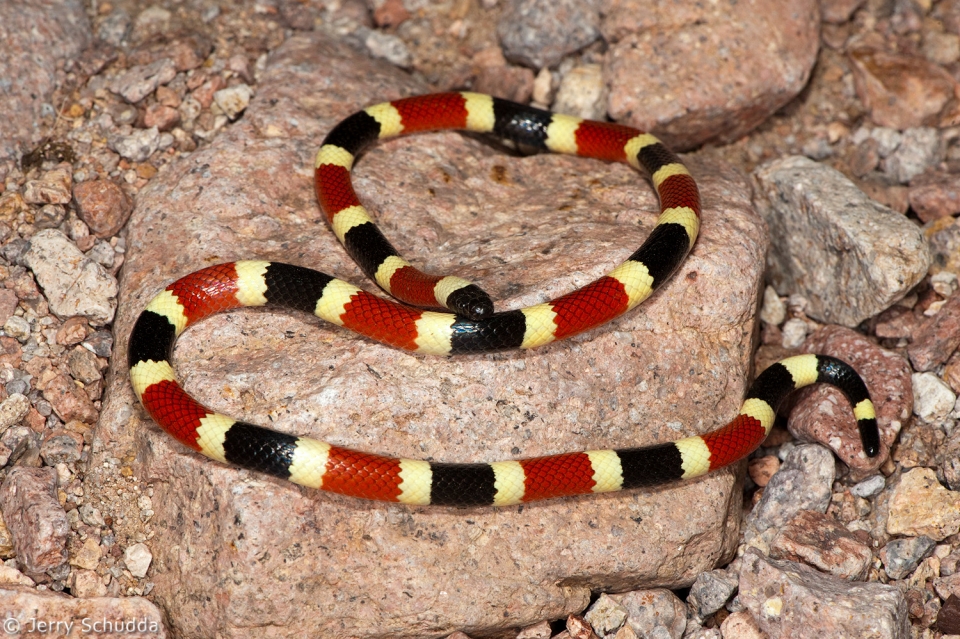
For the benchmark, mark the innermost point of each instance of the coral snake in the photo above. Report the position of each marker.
(465, 323)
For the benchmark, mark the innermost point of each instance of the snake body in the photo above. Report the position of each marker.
(467, 323)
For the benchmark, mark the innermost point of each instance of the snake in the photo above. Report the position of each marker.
(448, 315)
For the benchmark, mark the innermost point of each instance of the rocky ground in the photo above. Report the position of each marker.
(144, 138)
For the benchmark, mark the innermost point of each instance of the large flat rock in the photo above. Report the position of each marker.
(238, 554)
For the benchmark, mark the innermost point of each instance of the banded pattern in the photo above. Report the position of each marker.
(625, 287)
(333, 468)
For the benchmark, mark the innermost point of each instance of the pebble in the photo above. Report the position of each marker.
(821, 541)
(137, 146)
(12, 576)
(8, 304)
(578, 628)
(50, 216)
(920, 148)
(869, 487)
(824, 225)
(741, 625)
(900, 91)
(761, 469)
(605, 615)
(900, 557)
(919, 505)
(139, 81)
(103, 254)
(937, 337)
(115, 27)
(932, 398)
(91, 515)
(773, 311)
(29, 505)
(653, 613)
(51, 188)
(137, 559)
(791, 600)
(13, 409)
(69, 401)
(17, 328)
(61, 447)
(73, 283)
(711, 591)
(541, 630)
(539, 33)
(100, 343)
(103, 206)
(794, 332)
(88, 556)
(86, 584)
(804, 482)
(583, 93)
(935, 195)
(389, 47)
(233, 100)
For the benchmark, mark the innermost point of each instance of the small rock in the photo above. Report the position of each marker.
(848, 255)
(900, 91)
(742, 626)
(61, 447)
(28, 502)
(141, 80)
(761, 469)
(17, 328)
(539, 33)
(919, 149)
(794, 332)
(100, 343)
(52, 188)
(74, 284)
(161, 116)
(932, 398)
(711, 591)
(83, 365)
(900, 557)
(773, 311)
(582, 92)
(233, 100)
(138, 146)
(12, 410)
(88, 556)
(804, 482)
(103, 206)
(91, 516)
(579, 629)
(948, 620)
(73, 331)
(390, 48)
(935, 195)
(541, 630)
(87, 583)
(869, 487)
(69, 401)
(12, 576)
(820, 541)
(114, 28)
(790, 600)
(653, 613)
(919, 505)
(823, 414)
(137, 559)
(605, 615)
(937, 338)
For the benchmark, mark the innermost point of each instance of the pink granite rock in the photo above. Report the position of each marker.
(823, 414)
(705, 71)
(302, 562)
